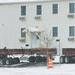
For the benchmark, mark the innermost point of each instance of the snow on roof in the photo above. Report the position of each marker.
(17, 1)
(33, 29)
(6, 1)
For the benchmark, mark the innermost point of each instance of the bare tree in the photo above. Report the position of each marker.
(47, 41)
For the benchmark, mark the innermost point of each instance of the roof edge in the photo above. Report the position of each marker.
(15, 2)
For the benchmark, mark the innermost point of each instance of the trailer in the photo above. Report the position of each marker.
(68, 55)
(5, 58)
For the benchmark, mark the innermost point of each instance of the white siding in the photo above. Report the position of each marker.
(10, 25)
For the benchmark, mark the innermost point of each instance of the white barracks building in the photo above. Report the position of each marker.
(22, 22)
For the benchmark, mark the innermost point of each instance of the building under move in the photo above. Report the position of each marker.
(23, 23)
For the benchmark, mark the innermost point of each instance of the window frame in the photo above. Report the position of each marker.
(39, 33)
(55, 8)
(23, 34)
(71, 31)
(23, 10)
(39, 10)
(55, 32)
(71, 7)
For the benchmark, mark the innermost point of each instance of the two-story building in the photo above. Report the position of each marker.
(22, 22)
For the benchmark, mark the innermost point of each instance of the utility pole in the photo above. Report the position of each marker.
(47, 52)
(58, 40)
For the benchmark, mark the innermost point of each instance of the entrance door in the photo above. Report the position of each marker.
(35, 41)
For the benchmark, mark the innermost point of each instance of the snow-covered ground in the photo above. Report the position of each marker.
(62, 69)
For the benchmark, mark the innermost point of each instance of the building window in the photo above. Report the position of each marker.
(23, 33)
(39, 9)
(55, 8)
(72, 8)
(38, 35)
(55, 31)
(23, 10)
(71, 31)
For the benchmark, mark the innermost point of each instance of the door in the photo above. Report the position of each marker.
(35, 41)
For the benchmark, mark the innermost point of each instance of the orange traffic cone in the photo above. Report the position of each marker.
(50, 63)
